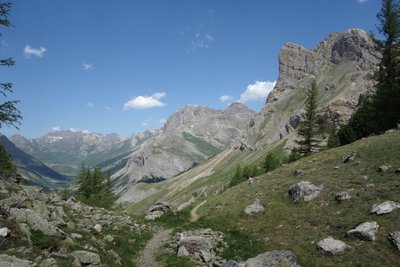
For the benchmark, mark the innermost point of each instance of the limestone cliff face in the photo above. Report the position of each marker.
(189, 137)
(342, 64)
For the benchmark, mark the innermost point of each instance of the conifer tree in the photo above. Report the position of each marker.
(308, 142)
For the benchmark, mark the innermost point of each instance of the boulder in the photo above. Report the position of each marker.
(350, 157)
(98, 228)
(305, 191)
(339, 197)
(254, 208)
(157, 210)
(395, 238)
(114, 256)
(233, 263)
(4, 232)
(332, 246)
(383, 168)
(273, 258)
(385, 207)
(397, 171)
(50, 262)
(12, 261)
(365, 231)
(86, 257)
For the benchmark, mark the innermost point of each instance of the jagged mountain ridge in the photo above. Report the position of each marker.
(31, 169)
(65, 150)
(190, 136)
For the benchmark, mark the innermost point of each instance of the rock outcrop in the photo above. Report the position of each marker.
(365, 231)
(342, 64)
(157, 210)
(385, 207)
(304, 191)
(274, 258)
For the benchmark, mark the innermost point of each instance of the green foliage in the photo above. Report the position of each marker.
(9, 114)
(202, 145)
(346, 135)
(238, 177)
(308, 127)
(271, 162)
(7, 167)
(42, 241)
(175, 219)
(94, 189)
(333, 139)
(171, 260)
(294, 155)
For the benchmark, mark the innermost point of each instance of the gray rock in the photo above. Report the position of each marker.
(114, 256)
(157, 210)
(342, 196)
(273, 258)
(86, 257)
(385, 207)
(332, 246)
(4, 232)
(365, 231)
(350, 157)
(397, 171)
(232, 263)
(182, 252)
(12, 261)
(98, 228)
(254, 208)
(395, 238)
(383, 168)
(206, 256)
(305, 191)
(298, 172)
(76, 236)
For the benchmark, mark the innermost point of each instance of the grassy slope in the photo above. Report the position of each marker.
(298, 227)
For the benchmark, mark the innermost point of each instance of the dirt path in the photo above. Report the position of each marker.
(147, 255)
(193, 213)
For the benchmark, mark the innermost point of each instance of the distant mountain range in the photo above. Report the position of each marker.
(64, 151)
(31, 169)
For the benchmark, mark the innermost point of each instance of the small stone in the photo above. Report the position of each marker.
(182, 252)
(76, 236)
(254, 208)
(350, 157)
(98, 228)
(50, 262)
(331, 246)
(365, 231)
(385, 207)
(365, 177)
(109, 238)
(397, 171)
(383, 168)
(86, 257)
(342, 196)
(4, 232)
(305, 191)
(206, 256)
(298, 172)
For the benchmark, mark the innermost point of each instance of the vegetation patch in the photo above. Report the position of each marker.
(202, 145)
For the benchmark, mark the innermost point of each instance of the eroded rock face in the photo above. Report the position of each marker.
(385, 207)
(332, 246)
(273, 258)
(365, 231)
(304, 191)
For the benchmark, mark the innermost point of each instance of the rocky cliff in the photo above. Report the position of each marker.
(189, 137)
(342, 65)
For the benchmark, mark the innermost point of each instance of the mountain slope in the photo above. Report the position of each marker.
(31, 169)
(342, 65)
(64, 151)
(190, 136)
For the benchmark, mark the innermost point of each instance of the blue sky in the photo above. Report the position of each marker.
(126, 65)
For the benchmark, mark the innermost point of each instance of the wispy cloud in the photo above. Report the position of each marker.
(162, 121)
(56, 129)
(257, 91)
(144, 102)
(202, 41)
(88, 66)
(107, 108)
(89, 105)
(226, 98)
(37, 52)
(362, 1)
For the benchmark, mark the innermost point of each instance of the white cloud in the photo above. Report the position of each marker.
(226, 98)
(362, 1)
(107, 108)
(143, 102)
(56, 129)
(162, 121)
(87, 66)
(37, 52)
(74, 130)
(89, 104)
(257, 91)
(202, 41)
(86, 132)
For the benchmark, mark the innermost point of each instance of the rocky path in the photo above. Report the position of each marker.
(147, 255)
(193, 213)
